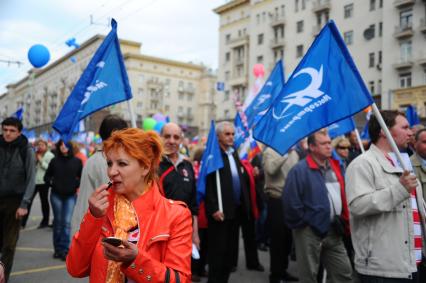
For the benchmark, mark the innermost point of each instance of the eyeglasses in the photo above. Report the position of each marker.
(343, 147)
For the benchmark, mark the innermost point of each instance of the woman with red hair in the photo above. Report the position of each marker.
(155, 233)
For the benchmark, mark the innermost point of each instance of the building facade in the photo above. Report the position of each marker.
(183, 91)
(387, 40)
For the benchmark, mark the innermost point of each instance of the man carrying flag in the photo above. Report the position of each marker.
(324, 88)
(236, 199)
(387, 207)
(103, 83)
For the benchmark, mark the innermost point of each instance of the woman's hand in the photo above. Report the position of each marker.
(98, 201)
(125, 253)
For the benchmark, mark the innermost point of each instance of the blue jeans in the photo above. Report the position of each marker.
(63, 208)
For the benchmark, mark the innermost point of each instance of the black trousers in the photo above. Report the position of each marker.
(199, 265)
(10, 231)
(248, 227)
(43, 191)
(221, 252)
(281, 240)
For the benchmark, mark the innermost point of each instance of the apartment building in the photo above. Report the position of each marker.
(387, 40)
(184, 91)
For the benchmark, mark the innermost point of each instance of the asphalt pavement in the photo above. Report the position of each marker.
(34, 260)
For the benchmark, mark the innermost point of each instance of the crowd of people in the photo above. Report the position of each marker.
(129, 212)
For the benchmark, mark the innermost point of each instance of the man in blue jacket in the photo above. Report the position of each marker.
(315, 208)
(17, 184)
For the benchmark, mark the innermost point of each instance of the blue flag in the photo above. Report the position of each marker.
(324, 88)
(211, 161)
(18, 113)
(412, 116)
(103, 83)
(342, 127)
(266, 96)
(241, 133)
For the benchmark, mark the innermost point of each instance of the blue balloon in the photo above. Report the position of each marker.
(159, 126)
(38, 55)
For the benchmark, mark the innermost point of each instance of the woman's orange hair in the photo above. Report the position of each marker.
(146, 147)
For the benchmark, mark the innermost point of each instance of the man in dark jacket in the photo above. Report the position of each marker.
(224, 225)
(314, 202)
(17, 184)
(177, 178)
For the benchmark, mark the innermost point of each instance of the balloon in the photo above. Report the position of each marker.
(159, 117)
(38, 55)
(149, 124)
(159, 126)
(258, 70)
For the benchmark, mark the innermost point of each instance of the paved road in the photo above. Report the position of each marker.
(34, 261)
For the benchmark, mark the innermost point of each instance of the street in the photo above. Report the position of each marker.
(34, 261)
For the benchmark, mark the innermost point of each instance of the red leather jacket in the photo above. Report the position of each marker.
(165, 241)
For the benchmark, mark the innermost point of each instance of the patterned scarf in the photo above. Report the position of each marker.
(124, 220)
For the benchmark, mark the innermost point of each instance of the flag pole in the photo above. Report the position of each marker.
(219, 191)
(358, 137)
(389, 136)
(132, 116)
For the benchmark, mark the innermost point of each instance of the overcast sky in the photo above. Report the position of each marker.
(184, 30)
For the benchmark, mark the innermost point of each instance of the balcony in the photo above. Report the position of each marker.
(404, 63)
(403, 3)
(277, 42)
(190, 90)
(277, 20)
(238, 79)
(421, 59)
(189, 116)
(423, 26)
(319, 6)
(238, 41)
(403, 31)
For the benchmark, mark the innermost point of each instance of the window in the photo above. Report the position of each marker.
(371, 87)
(348, 37)
(140, 91)
(141, 78)
(260, 39)
(282, 10)
(227, 56)
(379, 59)
(424, 76)
(296, 5)
(227, 38)
(380, 3)
(259, 59)
(372, 5)
(371, 60)
(406, 18)
(226, 114)
(406, 51)
(258, 19)
(379, 87)
(139, 104)
(299, 51)
(181, 96)
(227, 75)
(278, 54)
(303, 4)
(380, 29)
(348, 11)
(405, 80)
(299, 25)
(226, 95)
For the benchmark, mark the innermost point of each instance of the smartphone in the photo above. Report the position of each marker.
(113, 241)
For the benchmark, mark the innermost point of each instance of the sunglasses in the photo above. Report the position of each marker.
(343, 147)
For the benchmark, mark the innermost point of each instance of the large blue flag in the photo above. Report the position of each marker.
(412, 116)
(266, 96)
(210, 162)
(324, 88)
(342, 127)
(103, 83)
